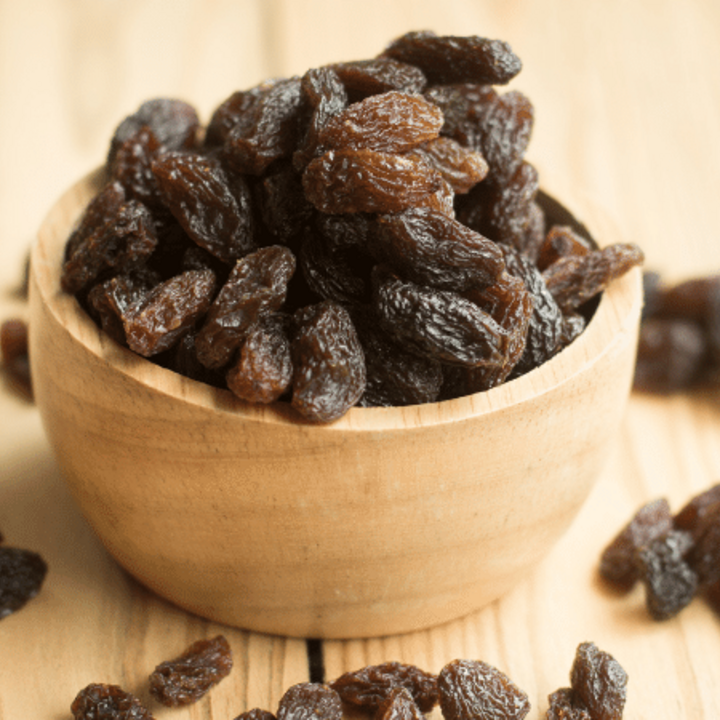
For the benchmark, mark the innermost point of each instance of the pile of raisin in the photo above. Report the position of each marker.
(675, 557)
(679, 345)
(367, 234)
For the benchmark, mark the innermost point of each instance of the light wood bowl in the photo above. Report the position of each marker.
(385, 521)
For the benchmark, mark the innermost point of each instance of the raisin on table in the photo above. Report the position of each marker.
(22, 573)
(599, 681)
(256, 714)
(472, 690)
(310, 701)
(187, 678)
(99, 701)
(370, 686)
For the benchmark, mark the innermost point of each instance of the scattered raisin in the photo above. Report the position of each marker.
(310, 701)
(599, 682)
(475, 690)
(107, 702)
(22, 573)
(188, 677)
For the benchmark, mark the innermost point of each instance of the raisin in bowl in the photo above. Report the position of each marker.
(387, 520)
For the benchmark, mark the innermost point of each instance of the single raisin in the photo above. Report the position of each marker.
(399, 705)
(599, 682)
(132, 166)
(363, 78)
(256, 714)
(561, 241)
(329, 365)
(371, 686)
(187, 678)
(108, 702)
(462, 167)
(22, 573)
(310, 701)
(449, 59)
(475, 690)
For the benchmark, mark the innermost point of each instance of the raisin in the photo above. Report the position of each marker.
(269, 131)
(670, 583)
(449, 59)
(564, 706)
(124, 242)
(107, 702)
(461, 167)
(329, 366)
(428, 248)
(187, 678)
(618, 563)
(561, 241)
(344, 181)
(174, 123)
(327, 97)
(370, 686)
(599, 682)
(691, 299)
(363, 78)
(475, 690)
(132, 166)
(163, 315)
(256, 714)
(341, 232)
(572, 326)
(573, 280)
(671, 355)
(257, 286)
(310, 701)
(399, 705)
(692, 516)
(395, 377)
(212, 208)
(393, 122)
(439, 324)
(22, 573)
(534, 234)
(183, 360)
(704, 557)
(263, 370)
(15, 356)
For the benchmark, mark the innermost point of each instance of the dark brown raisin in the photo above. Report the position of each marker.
(122, 243)
(449, 59)
(213, 209)
(704, 557)
(393, 122)
(329, 365)
(599, 682)
(618, 563)
(439, 324)
(188, 677)
(183, 360)
(573, 280)
(174, 123)
(108, 702)
(263, 370)
(565, 706)
(670, 583)
(429, 248)
(341, 232)
(256, 714)
(534, 235)
(269, 131)
(475, 690)
(22, 573)
(692, 516)
(399, 705)
(343, 181)
(671, 355)
(310, 701)
(460, 166)
(561, 241)
(572, 326)
(163, 315)
(363, 78)
(256, 287)
(370, 686)
(15, 357)
(132, 164)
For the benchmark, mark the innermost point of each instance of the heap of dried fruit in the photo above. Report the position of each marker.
(366, 234)
(675, 557)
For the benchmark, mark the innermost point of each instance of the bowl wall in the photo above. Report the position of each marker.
(386, 521)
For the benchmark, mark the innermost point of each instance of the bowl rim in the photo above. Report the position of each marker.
(616, 316)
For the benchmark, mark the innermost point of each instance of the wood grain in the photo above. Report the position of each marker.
(627, 109)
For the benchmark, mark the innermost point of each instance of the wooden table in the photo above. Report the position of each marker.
(627, 110)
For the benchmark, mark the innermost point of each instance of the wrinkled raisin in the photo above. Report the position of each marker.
(187, 678)
(310, 701)
(370, 686)
(475, 690)
(561, 241)
(399, 705)
(449, 59)
(362, 78)
(599, 681)
(618, 563)
(329, 365)
(22, 573)
(461, 167)
(132, 166)
(565, 706)
(256, 714)
(107, 702)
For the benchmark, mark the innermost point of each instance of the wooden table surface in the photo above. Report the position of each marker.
(627, 98)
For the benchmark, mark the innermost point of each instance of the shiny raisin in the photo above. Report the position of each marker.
(187, 678)
(22, 573)
(599, 681)
(256, 714)
(561, 241)
(362, 78)
(132, 166)
(399, 705)
(565, 706)
(108, 702)
(462, 167)
(310, 701)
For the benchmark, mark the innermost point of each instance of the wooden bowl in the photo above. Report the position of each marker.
(385, 521)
